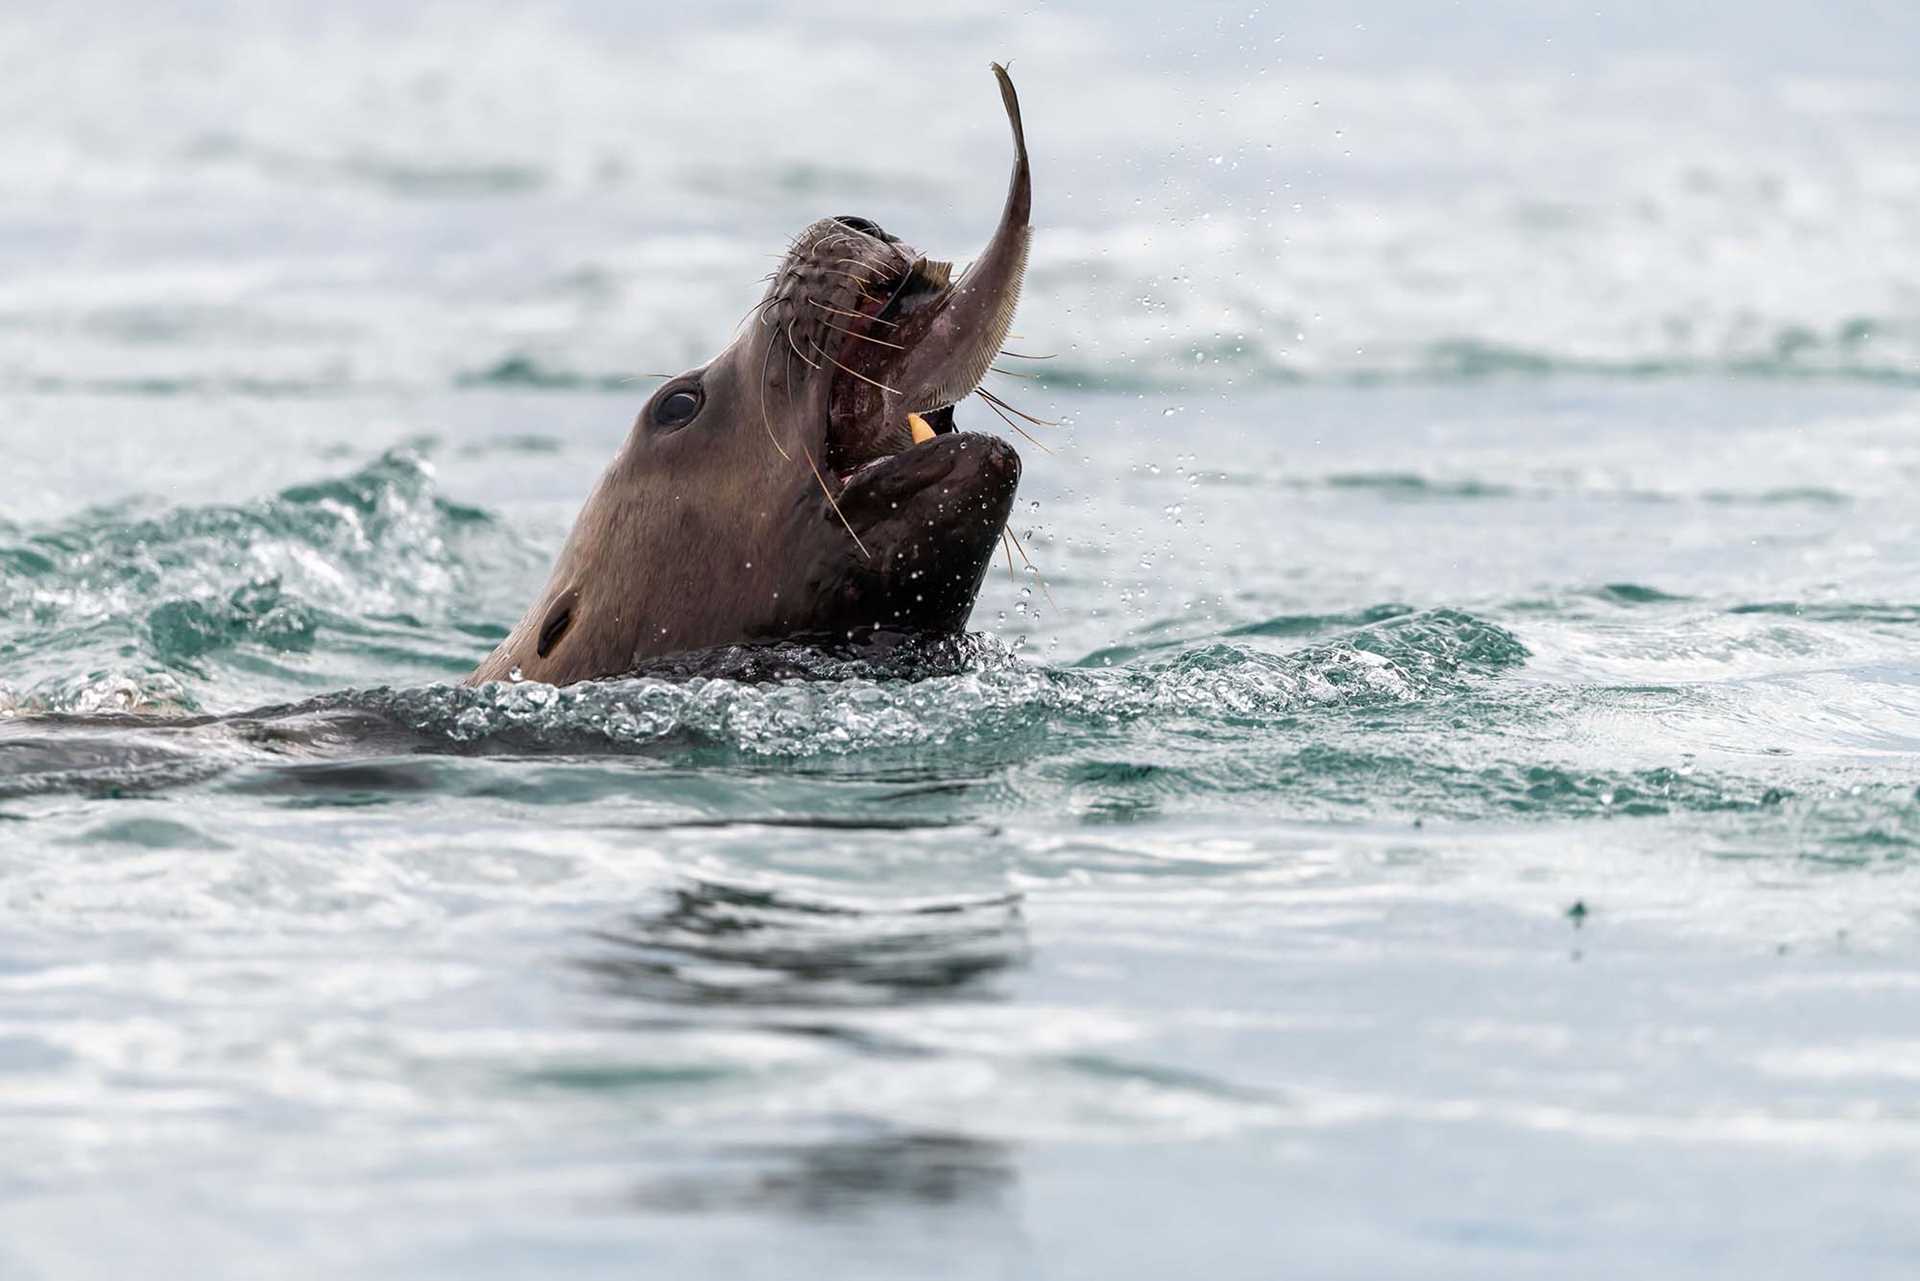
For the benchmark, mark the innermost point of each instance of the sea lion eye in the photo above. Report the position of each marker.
(677, 408)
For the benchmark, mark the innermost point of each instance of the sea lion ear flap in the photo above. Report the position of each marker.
(559, 618)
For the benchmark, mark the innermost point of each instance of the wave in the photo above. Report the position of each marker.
(374, 561)
(1405, 719)
(408, 219)
(970, 698)
(1836, 611)
(1175, 372)
(521, 370)
(993, 698)
(1145, 372)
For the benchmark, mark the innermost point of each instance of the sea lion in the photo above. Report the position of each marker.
(808, 483)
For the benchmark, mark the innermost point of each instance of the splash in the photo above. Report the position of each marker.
(149, 604)
(796, 703)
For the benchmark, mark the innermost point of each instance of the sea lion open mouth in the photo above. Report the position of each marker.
(809, 482)
(903, 339)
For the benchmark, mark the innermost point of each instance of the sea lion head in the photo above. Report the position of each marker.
(807, 483)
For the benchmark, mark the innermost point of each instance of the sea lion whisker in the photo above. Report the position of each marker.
(786, 379)
(858, 238)
(751, 311)
(815, 467)
(991, 404)
(1021, 355)
(1008, 546)
(857, 315)
(906, 263)
(796, 350)
(1042, 578)
(765, 420)
(1038, 422)
(850, 276)
(1010, 373)
(893, 248)
(828, 494)
(855, 372)
(863, 337)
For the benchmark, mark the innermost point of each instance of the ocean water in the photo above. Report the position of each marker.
(1442, 803)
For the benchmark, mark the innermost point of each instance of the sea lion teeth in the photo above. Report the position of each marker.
(921, 432)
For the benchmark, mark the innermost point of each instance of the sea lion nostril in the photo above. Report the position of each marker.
(866, 226)
(559, 618)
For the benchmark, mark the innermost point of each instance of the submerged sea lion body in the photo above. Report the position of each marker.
(808, 482)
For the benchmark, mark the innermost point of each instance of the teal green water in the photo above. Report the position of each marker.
(1528, 835)
(1443, 804)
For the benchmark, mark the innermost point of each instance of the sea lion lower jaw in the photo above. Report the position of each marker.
(809, 482)
(932, 517)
